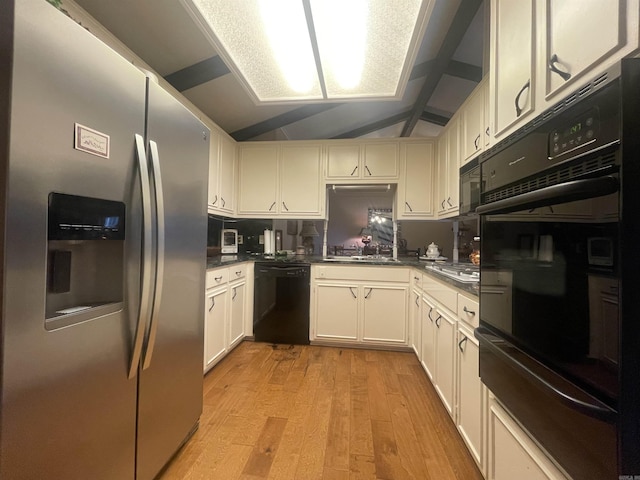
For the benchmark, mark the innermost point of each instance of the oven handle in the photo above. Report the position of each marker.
(561, 193)
(589, 409)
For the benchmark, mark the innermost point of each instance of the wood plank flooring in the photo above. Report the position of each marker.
(311, 412)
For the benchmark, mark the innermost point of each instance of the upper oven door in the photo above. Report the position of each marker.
(538, 288)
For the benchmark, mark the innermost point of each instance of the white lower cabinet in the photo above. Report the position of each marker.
(215, 344)
(336, 312)
(512, 453)
(428, 337)
(471, 394)
(237, 307)
(415, 322)
(445, 340)
(228, 310)
(360, 304)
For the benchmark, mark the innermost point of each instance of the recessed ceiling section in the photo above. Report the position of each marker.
(316, 50)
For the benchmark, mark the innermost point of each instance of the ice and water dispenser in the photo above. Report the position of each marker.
(85, 258)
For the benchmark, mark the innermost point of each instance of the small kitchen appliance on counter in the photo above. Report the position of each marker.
(229, 241)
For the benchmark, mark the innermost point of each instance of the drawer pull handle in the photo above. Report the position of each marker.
(466, 310)
(239, 272)
(462, 342)
(217, 279)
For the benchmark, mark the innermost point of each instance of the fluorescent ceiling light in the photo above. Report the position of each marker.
(314, 50)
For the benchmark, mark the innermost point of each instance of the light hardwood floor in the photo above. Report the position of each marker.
(311, 412)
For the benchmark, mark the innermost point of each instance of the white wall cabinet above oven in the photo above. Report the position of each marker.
(542, 50)
(362, 161)
(415, 188)
(281, 179)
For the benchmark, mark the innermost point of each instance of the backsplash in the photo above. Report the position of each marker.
(250, 231)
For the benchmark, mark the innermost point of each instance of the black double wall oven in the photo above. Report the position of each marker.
(559, 301)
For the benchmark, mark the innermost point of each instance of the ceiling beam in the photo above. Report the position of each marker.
(464, 15)
(434, 118)
(281, 120)
(464, 70)
(377, 125)
(197, 74)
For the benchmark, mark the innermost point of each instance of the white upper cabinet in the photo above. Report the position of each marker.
(362, 161)
(258, 179)
(544, 50)
(473, 128)
(512, 57)
(415, 188)
(301, 191)
(281, 179)
(580, 36)
(222, 174)
(448, 167)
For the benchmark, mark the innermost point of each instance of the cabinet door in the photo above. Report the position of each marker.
(512, 62)
(470, 394)
(343, 161)
(512, 454)
(441, 175)
(214, 170)
(416, 189)
(453, 168)
(301, 186)
(237, 313)
(428, 335)
(380, 161)
(336, 311)
(385, 314)
(578, 37)
(258, 179)
(445, 359)
(473, 125)
(415, 319)
(227, 189)
(215, 339)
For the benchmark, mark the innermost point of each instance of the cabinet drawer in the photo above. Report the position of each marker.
(441, 293)
(217, 276)
(468, 311)
(237, 272)
(361, 273)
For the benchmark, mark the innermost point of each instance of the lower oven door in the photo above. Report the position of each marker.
(577, 429)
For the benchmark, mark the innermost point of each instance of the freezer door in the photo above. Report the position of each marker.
(68, 409)
(170, 395)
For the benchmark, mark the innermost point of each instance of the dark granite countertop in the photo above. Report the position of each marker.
(226, 260)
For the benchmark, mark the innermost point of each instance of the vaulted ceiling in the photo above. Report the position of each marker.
(447, 68)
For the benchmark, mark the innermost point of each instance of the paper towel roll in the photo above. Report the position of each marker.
(268, 242)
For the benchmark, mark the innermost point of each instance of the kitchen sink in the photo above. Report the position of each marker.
(360, 259)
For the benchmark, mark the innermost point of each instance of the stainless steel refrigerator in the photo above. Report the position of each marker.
(102, 243)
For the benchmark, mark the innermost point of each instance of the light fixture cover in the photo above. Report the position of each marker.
(366, 48)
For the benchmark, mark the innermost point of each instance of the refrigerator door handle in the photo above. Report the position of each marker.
(160, 242)
(145, 287)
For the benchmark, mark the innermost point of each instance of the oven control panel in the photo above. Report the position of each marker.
(582, 131)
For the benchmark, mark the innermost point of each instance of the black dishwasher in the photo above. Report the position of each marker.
(281, 303)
